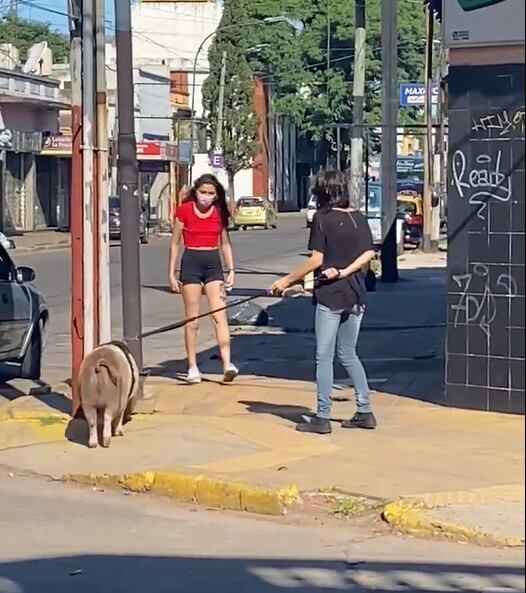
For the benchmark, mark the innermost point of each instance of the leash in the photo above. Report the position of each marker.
(257, 293)
(178, 324)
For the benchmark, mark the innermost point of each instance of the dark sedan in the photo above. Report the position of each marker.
(115, 221)
(23, 318)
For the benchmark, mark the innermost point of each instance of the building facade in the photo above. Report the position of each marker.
(29, 114)
(173, 33)
(486, 206)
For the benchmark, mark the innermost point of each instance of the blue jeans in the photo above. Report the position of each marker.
(338, 331)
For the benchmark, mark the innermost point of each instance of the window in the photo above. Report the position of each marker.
(6, 267)
(250, 202)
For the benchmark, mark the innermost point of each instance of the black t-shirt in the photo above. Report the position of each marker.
(342, 237)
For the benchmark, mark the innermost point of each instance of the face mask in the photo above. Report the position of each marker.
(205, 201)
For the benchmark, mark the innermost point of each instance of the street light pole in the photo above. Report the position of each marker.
(127, 181)
(389, 117)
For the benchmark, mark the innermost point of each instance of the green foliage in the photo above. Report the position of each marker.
(311, 82)
(24, 33)
(312, 85)
(240, 123)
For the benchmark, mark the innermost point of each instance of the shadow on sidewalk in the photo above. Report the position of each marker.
(40, 390)
(180, 574)
(401, 343)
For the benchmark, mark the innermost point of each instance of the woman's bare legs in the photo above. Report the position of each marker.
(192, 302)
(216, 300)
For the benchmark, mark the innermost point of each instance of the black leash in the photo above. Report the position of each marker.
(179, 324)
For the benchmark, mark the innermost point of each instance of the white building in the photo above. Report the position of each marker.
(171, 32)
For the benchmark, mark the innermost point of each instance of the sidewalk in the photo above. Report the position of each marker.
(466, 465)
(41, 240)
(431, 469)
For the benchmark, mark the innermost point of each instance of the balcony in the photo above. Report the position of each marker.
(16, 86)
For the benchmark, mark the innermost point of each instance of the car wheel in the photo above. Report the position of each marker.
(32, 362)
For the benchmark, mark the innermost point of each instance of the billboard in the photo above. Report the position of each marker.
(414, 95)
(496, 24)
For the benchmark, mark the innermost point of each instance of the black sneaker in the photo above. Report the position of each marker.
(361, 420)
(315, 425)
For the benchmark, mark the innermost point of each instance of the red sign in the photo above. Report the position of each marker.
(149, 149)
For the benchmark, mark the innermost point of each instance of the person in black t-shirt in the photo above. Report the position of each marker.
(341, 244)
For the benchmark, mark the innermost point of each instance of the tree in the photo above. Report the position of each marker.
(240, 123)
(312, 75)
(23, 34)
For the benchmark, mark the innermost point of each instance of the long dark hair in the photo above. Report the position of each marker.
(221, 203)
(331, 190)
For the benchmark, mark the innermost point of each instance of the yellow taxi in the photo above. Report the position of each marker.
(252, 211)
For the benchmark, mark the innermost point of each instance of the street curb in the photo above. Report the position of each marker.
(208, 492)
(415, 518)
(42, 247)
(42, 418)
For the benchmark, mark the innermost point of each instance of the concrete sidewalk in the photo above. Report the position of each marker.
(40, 240)
(433, 469)
(467, 467)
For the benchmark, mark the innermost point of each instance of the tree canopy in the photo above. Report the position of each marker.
(311, 74)
(241, 125)
(24, 33)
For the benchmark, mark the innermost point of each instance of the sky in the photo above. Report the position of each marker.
(41, 10)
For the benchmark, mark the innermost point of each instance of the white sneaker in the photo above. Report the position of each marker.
(231, 372)
(193, 376)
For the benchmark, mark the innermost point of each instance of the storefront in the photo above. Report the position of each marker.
(53, 184)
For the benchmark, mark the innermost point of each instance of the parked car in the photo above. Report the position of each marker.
(410, 210)
(24, 317)
(312, 208)
(5, 242)
(254, 211)
(114, 208)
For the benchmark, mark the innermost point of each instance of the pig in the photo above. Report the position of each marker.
(108, 384)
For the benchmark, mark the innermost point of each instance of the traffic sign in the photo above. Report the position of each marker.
(218, 161)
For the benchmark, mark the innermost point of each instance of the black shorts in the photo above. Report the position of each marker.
(201, 266)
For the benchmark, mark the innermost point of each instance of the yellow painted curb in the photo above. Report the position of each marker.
(415, 518)
(209, 492)
(43, 418)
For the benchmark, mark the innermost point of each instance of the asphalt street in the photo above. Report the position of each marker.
(403, 328)
(256, 252)
(58, 539)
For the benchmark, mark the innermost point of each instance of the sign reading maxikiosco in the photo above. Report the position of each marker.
(414, 95)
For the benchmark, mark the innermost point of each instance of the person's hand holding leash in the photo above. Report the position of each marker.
(332, 273)
(280, 286)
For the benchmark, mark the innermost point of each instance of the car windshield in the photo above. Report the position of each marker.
(405, 209)
(114, 202)
(250, 202)
(410, 169)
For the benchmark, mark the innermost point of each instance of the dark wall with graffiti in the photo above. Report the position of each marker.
(486, 197)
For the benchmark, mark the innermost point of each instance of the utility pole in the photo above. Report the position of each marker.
(102, 182)
(220, 109)
(389, 130)
(127, 181)
(88, 145)
(358, 96)
(76, 213)
(429, 243)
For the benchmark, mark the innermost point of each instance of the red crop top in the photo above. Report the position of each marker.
(197, 231)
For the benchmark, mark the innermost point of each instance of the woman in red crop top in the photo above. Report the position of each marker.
(202, 222)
